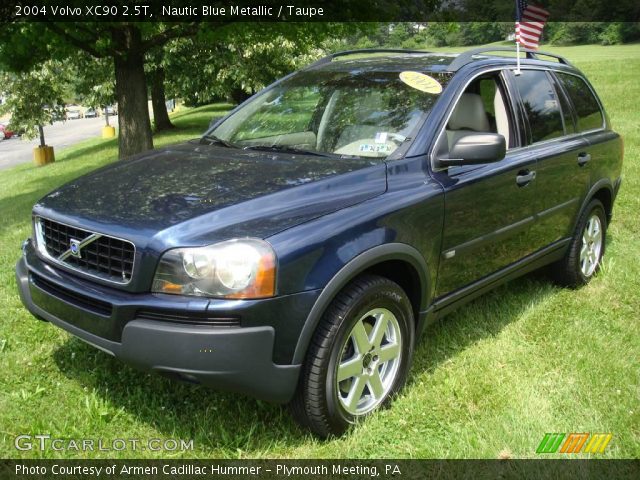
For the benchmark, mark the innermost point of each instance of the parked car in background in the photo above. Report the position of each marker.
(5, 133)
(111, 110)
(74, 113)
(298, 250)
(90, 113)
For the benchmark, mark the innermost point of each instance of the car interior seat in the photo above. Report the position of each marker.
(468, 117)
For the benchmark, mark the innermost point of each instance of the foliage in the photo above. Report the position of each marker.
(34, 98)
(92, 82)
(454, 34)
(244, 60)
(605, 33)
(435, 34)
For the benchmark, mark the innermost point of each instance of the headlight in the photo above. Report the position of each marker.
(243, 268)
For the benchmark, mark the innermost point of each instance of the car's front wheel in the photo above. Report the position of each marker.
(358, 358)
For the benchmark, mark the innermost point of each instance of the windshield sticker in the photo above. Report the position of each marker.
(381, 137)
(421, 82)
(371, 148)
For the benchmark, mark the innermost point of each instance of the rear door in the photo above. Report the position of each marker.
(489, 209)
(562, 153)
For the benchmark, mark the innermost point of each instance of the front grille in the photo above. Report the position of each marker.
(102, 256)
(188, 318)
(69, 296)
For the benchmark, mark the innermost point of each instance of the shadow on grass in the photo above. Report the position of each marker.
(215, 109)
(227, 422)
(89, 151)
(218, 421)
(198, 123)
(484, 317)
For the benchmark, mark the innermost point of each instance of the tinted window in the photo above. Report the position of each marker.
(567, 109)
(569, 125)
(541, 105)
(586, 105)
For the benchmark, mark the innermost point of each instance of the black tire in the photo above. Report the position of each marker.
(568, 271)
(319, 400)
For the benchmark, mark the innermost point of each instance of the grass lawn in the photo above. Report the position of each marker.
(488, 381)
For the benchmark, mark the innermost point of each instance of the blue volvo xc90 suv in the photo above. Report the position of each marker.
(299, 248)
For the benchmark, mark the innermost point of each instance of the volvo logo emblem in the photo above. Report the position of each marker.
(74, 247)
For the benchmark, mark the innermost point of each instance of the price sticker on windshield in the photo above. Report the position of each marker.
(421, 82)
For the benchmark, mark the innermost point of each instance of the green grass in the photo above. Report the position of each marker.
(489, 380)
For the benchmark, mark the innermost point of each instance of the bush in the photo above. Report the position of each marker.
(619, 32)
(576, 33)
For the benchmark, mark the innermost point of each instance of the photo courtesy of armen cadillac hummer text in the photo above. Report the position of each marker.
(298, 249)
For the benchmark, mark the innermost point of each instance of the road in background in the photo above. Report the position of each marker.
(15, 151)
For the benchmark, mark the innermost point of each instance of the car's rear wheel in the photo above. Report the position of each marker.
(358, 358)
(583, 258)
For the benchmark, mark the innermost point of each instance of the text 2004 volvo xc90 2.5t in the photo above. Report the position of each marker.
(299, 248)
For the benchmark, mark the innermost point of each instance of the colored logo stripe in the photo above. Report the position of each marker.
(598, 442)
(574, 443)
(550, 443)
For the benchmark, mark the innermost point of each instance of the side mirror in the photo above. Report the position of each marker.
(475, 149)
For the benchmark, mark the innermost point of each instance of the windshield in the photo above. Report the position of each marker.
(364, 114)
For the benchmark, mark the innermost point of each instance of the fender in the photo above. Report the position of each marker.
(603, 182)
(369, 258)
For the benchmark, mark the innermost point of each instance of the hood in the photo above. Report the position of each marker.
(196, 193)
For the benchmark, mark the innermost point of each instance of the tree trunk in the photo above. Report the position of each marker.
(159, 101)
(131, 92)
(41, 131)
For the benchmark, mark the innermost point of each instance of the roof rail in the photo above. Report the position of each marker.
(467, 57)
(345, 53)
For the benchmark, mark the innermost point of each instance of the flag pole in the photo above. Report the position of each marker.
(517, 70)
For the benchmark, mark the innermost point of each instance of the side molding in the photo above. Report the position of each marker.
(367, 259)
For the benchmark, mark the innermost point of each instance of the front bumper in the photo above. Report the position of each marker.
(233, 358)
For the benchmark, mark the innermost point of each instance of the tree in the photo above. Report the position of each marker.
(245, 59)
(34, 98)
(156, 77)
(93, 81)
(125, 44)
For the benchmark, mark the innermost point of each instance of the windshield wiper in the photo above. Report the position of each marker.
(285, 149)
(211, 137)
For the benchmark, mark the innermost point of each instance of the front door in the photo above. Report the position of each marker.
(489, 209)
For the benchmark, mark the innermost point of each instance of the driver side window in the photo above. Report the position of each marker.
(482, 108)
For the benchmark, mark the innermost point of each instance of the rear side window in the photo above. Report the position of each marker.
(565, 106)
(585, 103)
(541, 105)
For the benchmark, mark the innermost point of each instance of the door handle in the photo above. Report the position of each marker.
(583, 159)
(525, 177)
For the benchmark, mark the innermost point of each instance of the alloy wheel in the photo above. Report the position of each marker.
(369, 362)
(591, 245)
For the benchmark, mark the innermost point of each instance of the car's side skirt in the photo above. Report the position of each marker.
(449, 302)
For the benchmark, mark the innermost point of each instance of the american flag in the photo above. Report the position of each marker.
(529, 24)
